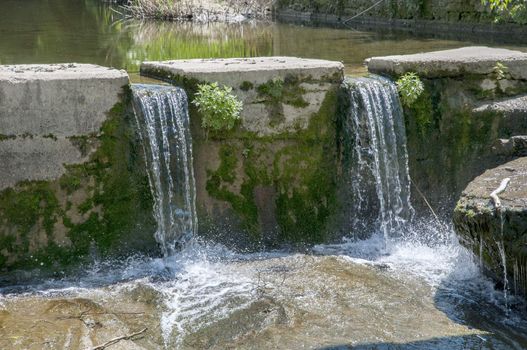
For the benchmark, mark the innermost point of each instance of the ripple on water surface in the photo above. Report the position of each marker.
(365, 294)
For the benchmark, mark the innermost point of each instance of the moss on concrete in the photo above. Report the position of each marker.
(287, 91)
(103, 205)
(301, 168)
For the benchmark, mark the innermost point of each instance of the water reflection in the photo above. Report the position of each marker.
(85, 31)
(164, 40)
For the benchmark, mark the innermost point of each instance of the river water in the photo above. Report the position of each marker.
(418, 289)
(88, 31)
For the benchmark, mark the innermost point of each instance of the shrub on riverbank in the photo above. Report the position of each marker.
(200, 10)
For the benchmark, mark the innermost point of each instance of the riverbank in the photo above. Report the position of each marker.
(200, 10)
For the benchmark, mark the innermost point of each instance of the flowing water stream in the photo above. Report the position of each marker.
(162, 118)
(375, 143)
(410, 285)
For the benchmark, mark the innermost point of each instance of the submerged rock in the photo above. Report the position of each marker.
(498, 237)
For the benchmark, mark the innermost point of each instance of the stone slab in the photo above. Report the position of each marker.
(467, 60)
(57, 99)
(232, 71)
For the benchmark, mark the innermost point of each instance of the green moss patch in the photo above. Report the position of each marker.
(103, 205)
(301, 167)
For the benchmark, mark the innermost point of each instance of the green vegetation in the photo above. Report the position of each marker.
(220, 109)
(246, 86)
(7, 137)
(410, 87)
(500, 71)
(220, 180)
(508, 10)
(286, 91)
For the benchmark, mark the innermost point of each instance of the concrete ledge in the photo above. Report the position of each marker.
(257, 70)
(58, 99)
(478, 60)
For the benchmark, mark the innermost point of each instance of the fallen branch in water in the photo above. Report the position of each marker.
(427, 203)
(118, 339)
(494, 194)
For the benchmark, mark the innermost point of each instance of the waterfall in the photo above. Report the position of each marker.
(374, 147)
(162, 117)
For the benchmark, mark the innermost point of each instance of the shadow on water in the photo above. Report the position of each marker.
(471, 342)
(431, 253)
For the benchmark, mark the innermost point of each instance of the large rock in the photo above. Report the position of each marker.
(490, 233)
(72, 182)
(273, 178)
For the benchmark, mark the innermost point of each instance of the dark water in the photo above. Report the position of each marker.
(88, 31)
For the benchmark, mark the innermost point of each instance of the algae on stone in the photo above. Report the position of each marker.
(102, 206)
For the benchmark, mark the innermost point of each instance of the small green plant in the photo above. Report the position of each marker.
(273, 88)
(220, 109)
(410, 87)
(500, 70)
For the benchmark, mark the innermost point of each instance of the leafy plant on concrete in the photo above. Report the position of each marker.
(220, 109)
(500, 71)
(410, 87)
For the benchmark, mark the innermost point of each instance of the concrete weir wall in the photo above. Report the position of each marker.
(461, 124)
(64, 138)
(471, 120)
(273, 178)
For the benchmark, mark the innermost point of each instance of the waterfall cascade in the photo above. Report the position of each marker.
(377, 160)
(162, 116)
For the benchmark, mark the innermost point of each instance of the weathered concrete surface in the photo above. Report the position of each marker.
(487, 231)
(58, 99)
(72, 181)
(233, 71)
(42, 107)
(271, 179)
(509, 108)
(479, 60)
(36, 158)
(310, 78)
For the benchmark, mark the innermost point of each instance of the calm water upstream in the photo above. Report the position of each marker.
(421, 290)
(86, 31)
